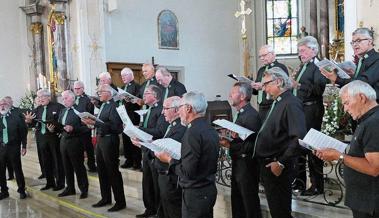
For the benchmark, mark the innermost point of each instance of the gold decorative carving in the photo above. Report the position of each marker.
(59, 18)
(36, 28)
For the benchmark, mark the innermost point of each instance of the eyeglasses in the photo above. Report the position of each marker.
(99, 92)
(168, 108)
(268, 82)
(263, 55)
(358, 41)
(78, 88)
(148, 93)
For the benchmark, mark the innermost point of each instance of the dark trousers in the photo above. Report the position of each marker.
(245, 185)
(171, 196)
(86, 141)
(52, 160)
(39, 152)
(278, 190)
(9, 167)
(150, 188)
(199, 202)
(107, 159)
(132, 153)
(313, 119)
(12, 152)
(73, 161)
(358, 214)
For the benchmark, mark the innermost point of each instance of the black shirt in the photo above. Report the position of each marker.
(175, 88)
(259, 78)
(312, 83)
(152, 81)
(200, 149)
(112, 121)
(52, 113)
(362, 190)
(16, 129)
(156, 123)
(279, 134)
(369, 72)
(73, 120)
(174, 131)
(85, 104)
(248, 117)
(132, 88)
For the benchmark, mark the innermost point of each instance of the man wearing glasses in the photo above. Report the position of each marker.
(83, 104)
(107, 150)
(268, 59)
(276, 144)
(368, 64)
(199, 154)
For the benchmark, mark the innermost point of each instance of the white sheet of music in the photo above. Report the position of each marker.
(124, 115)
(121, 94)
(318, 140)
(87, 115)
(243, 132)
(328, 65)
(239, 78)
(134, 132)
(168, 145)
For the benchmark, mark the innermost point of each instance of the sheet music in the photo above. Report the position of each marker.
(243, 132)
(240, 78)
(168, 145)
(318, 140)
(124, 94)
(87, 115)
(134, 132)
(329, 65)
(124, 115)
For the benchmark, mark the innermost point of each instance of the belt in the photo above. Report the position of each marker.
(309, 103)
(107, 135)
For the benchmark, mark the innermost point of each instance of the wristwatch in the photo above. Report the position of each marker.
(341, 158)
(280, 165)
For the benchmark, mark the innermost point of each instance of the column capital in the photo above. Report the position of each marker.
(33, 9)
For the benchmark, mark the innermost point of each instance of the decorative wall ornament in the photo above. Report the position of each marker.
(36, 28)
(168, 33)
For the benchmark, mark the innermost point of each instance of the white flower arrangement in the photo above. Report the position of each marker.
(27, 102)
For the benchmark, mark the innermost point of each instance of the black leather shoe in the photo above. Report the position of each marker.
(117, 207)
(41, 176)
(311, 191)
(58, 187)
(144, 215)
(23, 195)
(102, 203)
(4, 195)
(47, 187)
(66, 192)
(83, 195)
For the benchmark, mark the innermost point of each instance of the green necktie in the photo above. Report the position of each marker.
(65, 117)
(260, 92)
(236, 116)
(358, 67)
(168, 129)
(165, 94)
(147, 118)
(126, 87)
(299, 77)
(43, 125)
(77, 100)
(264, 124)
(5, 130)
(101, 109)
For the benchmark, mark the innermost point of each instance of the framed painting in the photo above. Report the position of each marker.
(168, 33)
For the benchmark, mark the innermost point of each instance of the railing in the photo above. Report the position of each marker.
(334, 186)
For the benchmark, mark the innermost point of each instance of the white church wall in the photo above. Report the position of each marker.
(208, 40)
(14, 55)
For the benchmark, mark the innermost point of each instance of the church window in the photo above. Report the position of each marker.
(282, 26)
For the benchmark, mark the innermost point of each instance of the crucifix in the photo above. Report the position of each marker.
(246, 55)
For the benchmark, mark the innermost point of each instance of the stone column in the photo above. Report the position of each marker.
(324, 29)
(313, 21)
(60, 44)
(34, 11)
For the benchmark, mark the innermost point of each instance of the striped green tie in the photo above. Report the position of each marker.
(168, 129)
(260, 92)
(43, 125)
(101, 109)
(65, 117)
(5, 130)
(147, 118)
(294, 91)
(236, 117)
(77, 100)
(165, 94)
(358, 67)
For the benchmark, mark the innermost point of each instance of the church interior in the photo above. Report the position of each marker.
(50, 44)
